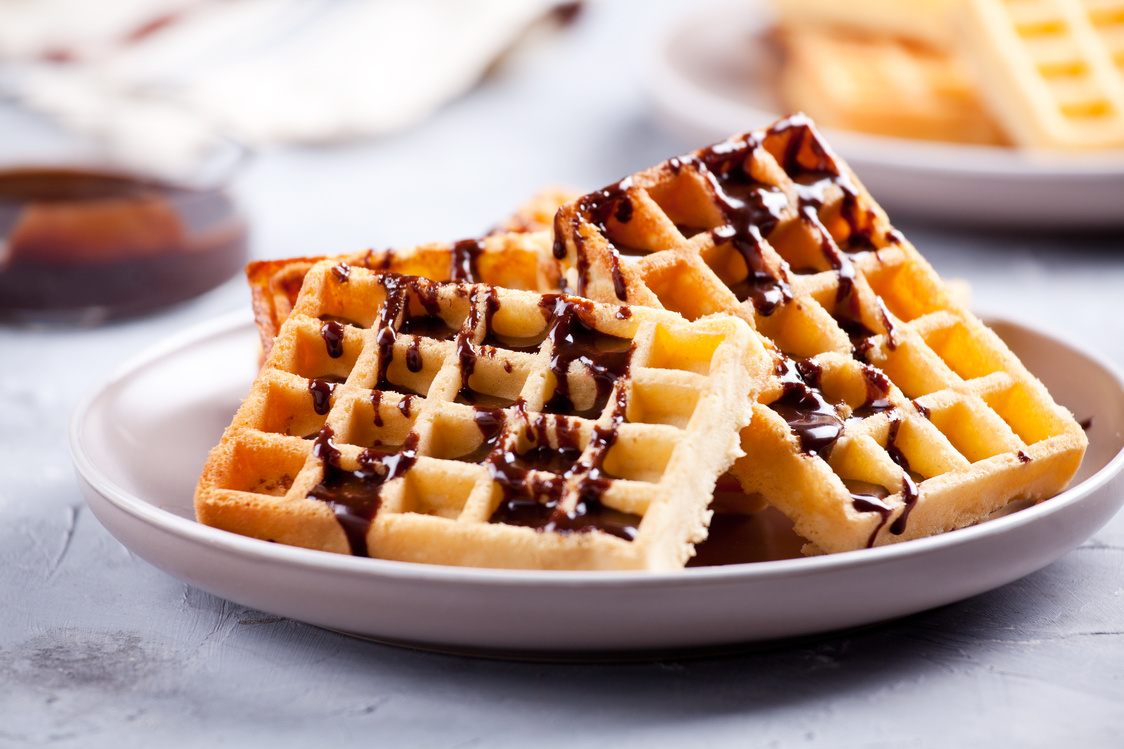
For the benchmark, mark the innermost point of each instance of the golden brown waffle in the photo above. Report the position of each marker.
(402, 418)
(537, 214)
(1051, 70)
(892, 413)
(883, 85)
(515, 260)
(501, 259)
(926, 21)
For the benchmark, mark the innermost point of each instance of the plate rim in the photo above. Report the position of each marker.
(316, 560)
(665, 82)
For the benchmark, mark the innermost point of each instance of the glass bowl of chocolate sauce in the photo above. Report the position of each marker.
(97, 225)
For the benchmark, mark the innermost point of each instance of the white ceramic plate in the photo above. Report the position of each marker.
(712, 76)
(140, 438)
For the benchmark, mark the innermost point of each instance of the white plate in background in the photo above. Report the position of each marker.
(712, 74)
(140, 438)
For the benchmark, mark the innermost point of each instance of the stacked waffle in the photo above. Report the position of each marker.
(1036, 73)
(742, 313)
(467, 424)
(892, 412)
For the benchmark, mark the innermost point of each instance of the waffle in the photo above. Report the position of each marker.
(537, 214)
(1051, 70)
(500, 259)
(926, 21)
(462, 424)
(516, 260)
(892, 413)
(882, 85)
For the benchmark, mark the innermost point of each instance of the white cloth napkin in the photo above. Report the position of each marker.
(267, 71)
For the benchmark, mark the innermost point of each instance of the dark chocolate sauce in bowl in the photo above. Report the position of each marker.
(83, 246)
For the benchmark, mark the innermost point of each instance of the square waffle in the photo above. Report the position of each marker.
(504, 258)
(451, 423)
(926, 21)
(514, 260)
(892, 412)
(883, 85)
(1051, 70)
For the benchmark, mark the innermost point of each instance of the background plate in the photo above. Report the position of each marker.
(712, 76)
(140, 438)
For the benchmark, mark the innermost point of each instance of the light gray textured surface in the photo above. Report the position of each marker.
(97, 648)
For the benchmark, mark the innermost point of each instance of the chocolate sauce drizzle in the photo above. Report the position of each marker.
(596, 208)
(752, 209)
(534, 482)
(389, 312)
(909, 485)
(870, 498)
(376, 403)
(572, 340)
(342, 272)
(864, 502)
(466, 351)
(355, 495)
(589, 512)
(395, 316)
(810, 164)
(533, 497)
(877, 393)
(332, 331)
(321, 390)
(463, 262)
(813, 420)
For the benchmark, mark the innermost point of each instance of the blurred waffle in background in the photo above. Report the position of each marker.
(1033, 73)
(267, 71)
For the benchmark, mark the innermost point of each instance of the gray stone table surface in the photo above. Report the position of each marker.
(97, 648)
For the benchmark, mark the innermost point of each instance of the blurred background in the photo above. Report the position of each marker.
(277, 128)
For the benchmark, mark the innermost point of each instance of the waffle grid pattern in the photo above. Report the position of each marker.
(466, 424)
(515, 260)
(1052, 69)
(892, 412)
(882, 84)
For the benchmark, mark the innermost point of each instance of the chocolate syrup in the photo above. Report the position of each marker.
(355, 495)
(342, 272)
(808, 161)
(910, 492)
(390, 310)
(321, 391)
(752, 210)
(428, 326)
(404, 404)
(332, 332)
(877, 393)
(82, 246)
(523, 344)
(483, 400)
(866, 497)
(546, 458)
(589, 512)
(490, 423)
(414, 361)
(605, 357)
(1023, 457)
(467, 353)
(596, 208)
(376, 403)
(463, 263)
(533, 498)
(813, 420)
